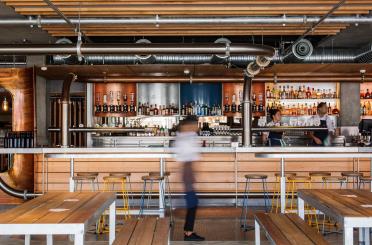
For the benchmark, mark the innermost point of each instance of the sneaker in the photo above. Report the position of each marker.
(193, 237)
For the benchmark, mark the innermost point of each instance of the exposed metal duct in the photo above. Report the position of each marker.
(65, 107)
(318, 56)
(158, 20)
(247, 111)
(136, 49)
(16, 193)
(364, 54)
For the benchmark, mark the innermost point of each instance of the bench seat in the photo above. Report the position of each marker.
(286, 229)
(144, 231)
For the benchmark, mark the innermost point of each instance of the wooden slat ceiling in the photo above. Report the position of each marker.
(189, 8)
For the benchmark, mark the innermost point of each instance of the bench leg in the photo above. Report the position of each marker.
(348, 235)
(257, 234)
(79, 239)
(301, 208)
(27, 239)
(49, 239)
(112, 223)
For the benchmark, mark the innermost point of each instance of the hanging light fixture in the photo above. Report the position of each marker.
(5, 105)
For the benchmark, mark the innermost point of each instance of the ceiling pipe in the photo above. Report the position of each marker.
(161, 79)
(136, 49)
(157, 20)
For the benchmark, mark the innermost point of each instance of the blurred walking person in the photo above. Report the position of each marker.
(187, 152)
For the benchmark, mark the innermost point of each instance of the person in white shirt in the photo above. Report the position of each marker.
(187, 152)
(321, 137)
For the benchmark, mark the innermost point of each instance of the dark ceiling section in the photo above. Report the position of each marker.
(20, 34)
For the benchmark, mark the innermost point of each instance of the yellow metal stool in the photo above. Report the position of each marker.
(294, 182)
(275, 203)
(109, 186)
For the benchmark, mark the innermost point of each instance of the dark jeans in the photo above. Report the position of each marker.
(190, 197)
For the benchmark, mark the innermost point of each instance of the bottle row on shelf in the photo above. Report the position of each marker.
(301, 109)
(118, 107)
(289, 92)
(366, 108)
(155, 110)
(365, 95)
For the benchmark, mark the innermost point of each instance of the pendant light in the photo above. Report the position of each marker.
(5, 105)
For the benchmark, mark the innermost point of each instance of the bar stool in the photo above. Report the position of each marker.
(275, 203)
(354, 177)
(364, 180)
(109, 186)
(81, 178)
(294, 183)
(148, 182)
(127, 175)
(333, 179)
(167, 186)
(248, 179)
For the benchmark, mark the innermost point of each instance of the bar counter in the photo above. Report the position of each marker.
(220, 171)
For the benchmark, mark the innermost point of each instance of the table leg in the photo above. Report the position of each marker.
(366, 236)
(72, 182)
(27, 239)
(282, 186)
(161, 190)
(49, 239)
(257, 233)
(112, 223)
(301, 207)
(348, 235)
(79, 239)
(361, 235)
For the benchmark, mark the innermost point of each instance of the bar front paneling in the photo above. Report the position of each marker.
(215, 172)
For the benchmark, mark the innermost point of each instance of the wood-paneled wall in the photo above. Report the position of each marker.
(215, 172)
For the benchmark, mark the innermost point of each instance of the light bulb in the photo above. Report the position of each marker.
(5, 105)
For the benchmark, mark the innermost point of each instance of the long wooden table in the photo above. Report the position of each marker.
(59, 213)
(352, 208)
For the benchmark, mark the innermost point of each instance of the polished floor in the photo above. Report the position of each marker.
(219, 225)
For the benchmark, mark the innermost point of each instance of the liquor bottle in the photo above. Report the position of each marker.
(313, 93)
(367, 94)
(98, 103)
(118, 107)
(254, 106)
(227, 106)
(314, 109)
(268, 93)
(329, 109)
(156, 110)
(291, 93)
(279, 92)
(233, 105)
(308, 93)
(287, 92)
(112, 106)
(362, 95)
(361, 109)
(260, 107)
(132, 107)
(105, 107)
(284, 93)
(139, 111)
(151, 110)
(300, 94)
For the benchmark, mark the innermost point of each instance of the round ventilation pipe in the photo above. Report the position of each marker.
(221, 58)
(302, 49)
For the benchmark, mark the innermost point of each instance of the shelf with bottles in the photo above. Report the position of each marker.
(146, 109)
(302, 109)
(115, 100)
(301, 91)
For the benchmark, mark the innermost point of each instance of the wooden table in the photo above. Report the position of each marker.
(352, 208)
(59, 213)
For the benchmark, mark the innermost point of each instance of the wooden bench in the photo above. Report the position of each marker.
(145, 231)
(286, 229)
